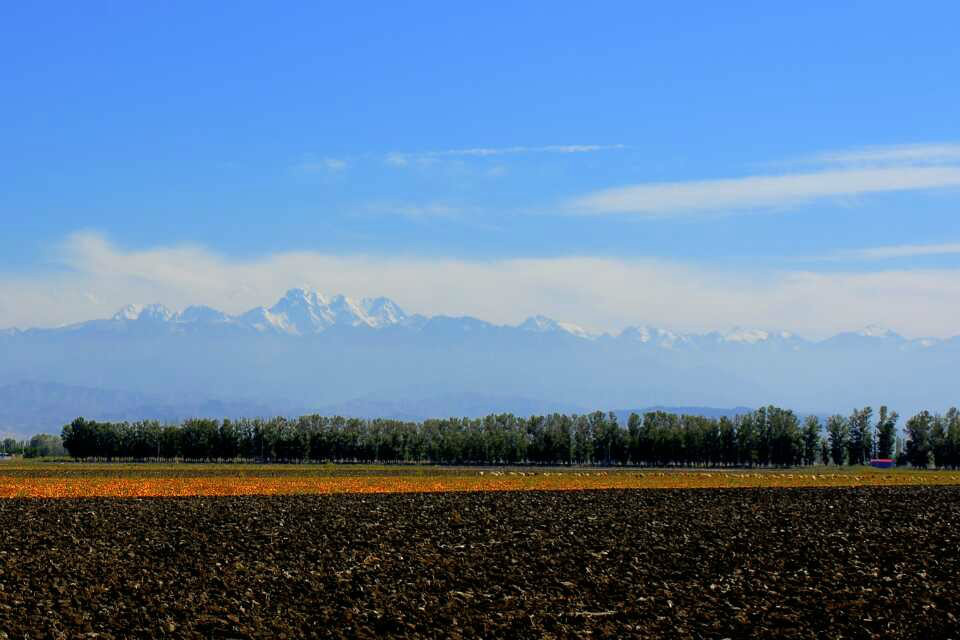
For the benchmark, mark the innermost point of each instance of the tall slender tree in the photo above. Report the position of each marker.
(860, 443)
(811, 439)
(918, 439)
(953, 438)
(838, 433)
(939, 445)
(886, 432)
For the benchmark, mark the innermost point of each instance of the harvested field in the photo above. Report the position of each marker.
(77, 480)
(791, 563)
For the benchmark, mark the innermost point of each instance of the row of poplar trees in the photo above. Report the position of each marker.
(769, 436)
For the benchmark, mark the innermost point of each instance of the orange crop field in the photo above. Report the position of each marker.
(78, 480)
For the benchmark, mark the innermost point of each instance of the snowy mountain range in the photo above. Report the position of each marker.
(309, 351)
(302, 312)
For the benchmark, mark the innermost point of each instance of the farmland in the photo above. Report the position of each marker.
(857, 562)
(259, 551)
(74, 480)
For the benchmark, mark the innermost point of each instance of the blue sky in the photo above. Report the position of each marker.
(679, 143)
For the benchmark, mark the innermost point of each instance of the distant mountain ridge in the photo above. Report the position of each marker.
(27, 408)
(309, 351)
(303, 312)
(32, 407)
(449, 405)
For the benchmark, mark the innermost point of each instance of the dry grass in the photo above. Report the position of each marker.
(75, 480)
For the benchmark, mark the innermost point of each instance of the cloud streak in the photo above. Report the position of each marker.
(403, 159)
(907, 154)
(599, 293)
(416, 211)
(668, 199)
(899, 251)
(323, 165)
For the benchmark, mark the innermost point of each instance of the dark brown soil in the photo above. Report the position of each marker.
(805, 563)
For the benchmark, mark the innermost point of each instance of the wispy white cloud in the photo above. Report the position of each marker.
(415, 211)
(836, 174)
(323, 165)
(759, 192)
(907, 154)
(897, 251)
(599, 293)
(400, 159)
(557, 148)
(404, 159)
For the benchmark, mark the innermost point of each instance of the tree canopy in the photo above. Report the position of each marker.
(769, 436)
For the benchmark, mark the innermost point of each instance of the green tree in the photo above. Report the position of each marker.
(763, 436)
(786, 439)
(939, 445)
(811, 439)
(746, 439)
(838, 434)
(604, 435)
(728, 441)
(44, 445)
(80, 439)
(582, 440)
(634, 446)
(886, 433)
(198, 438)
(11, 446)
(953, 438)
(860, 442)
(824, 451)
(917, 448)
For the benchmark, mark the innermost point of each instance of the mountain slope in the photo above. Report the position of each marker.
(312, 351)
(31, 407)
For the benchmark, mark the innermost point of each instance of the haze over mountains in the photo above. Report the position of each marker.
(367, 357)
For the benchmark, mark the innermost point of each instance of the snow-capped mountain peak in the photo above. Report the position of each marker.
(303, 295)
(543, 324)
(576, 330)
(302, 312)
(654, 336)
(129, 312)
(876, 331)
(201, 314)
(346, 311)
(263, 320)
(150, 312)
(540, 324)
(382, 312)
(746, 336)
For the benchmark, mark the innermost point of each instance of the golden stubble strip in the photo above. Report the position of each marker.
(201, 486)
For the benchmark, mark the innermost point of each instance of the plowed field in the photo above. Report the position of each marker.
(698, 563)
